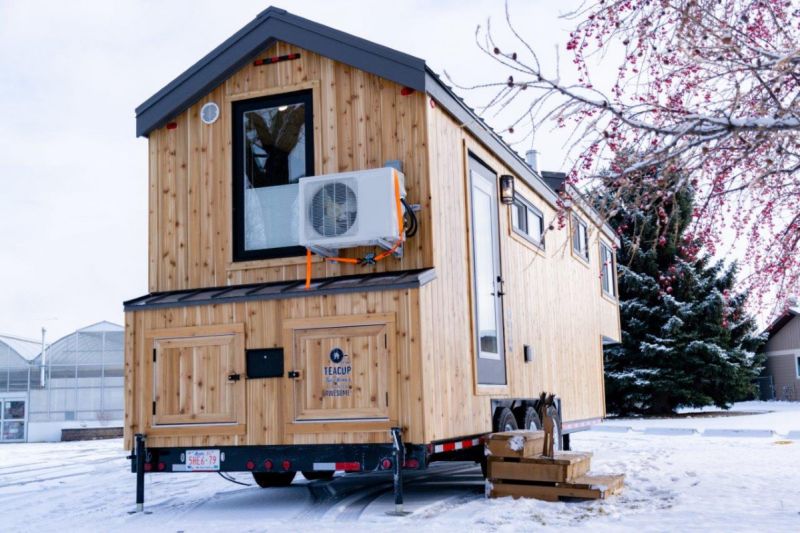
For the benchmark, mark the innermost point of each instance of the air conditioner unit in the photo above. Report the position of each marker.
(351, 209)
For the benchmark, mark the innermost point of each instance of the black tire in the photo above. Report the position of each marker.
(504, 420)
(527, 418)
(558, 443)
(267, 480)
(312, 475)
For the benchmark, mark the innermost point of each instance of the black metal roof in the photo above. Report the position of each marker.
(280, 290)
(274, 24)
(555, 180)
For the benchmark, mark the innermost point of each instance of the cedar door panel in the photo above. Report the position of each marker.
(344, 373)
(190, 380)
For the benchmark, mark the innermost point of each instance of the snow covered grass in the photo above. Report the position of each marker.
(674, 482)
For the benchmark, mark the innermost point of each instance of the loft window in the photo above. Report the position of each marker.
(272, 149)
(580, 238)
(607, 270)
(527, 221)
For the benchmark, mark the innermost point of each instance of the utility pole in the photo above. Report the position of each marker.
(44, 358)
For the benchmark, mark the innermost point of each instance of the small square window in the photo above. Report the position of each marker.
(527, 221)
(797, 366)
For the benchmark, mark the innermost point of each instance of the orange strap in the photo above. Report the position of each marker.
(308, 268)
(380, 256)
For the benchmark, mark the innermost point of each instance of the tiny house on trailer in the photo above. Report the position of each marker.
(348, 269)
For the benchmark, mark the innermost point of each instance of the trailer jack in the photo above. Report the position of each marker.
(139, 456)
(399, 461)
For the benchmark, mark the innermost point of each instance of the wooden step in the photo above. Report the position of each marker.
(515, 444)
(587, 487)
(564, 466)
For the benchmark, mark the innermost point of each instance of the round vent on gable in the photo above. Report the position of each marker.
(333, 209)
(209, 113)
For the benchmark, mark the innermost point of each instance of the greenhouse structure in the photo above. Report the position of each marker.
(75, 382)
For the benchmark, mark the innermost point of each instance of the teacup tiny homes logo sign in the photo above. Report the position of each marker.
(337, 355)
(338, 376)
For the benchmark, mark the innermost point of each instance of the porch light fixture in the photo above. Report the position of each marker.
(507, 189)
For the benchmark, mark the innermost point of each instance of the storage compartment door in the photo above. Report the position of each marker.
(199, 380)
(343, 373)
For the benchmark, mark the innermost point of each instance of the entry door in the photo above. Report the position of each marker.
(12, 420)
(486, 275)
(198, 380)
(342, 373)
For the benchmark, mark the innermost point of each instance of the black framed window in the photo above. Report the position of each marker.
(580, 238)
(527, 220)
(273, 147)
(608, 270)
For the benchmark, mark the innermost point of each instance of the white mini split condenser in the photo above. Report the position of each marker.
(350, 209)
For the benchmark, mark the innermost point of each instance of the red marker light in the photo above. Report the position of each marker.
(267, 465)
(161, 467)
(405, 91)
(286, 464)
(148, 467)
(250, 465)
(386, 464)
(172, 125)
(411, 463)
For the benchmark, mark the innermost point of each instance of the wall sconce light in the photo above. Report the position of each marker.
(507, 189)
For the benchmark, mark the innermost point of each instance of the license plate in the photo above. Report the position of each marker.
(202, 460)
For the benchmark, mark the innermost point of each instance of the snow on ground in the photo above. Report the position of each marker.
(674, 482)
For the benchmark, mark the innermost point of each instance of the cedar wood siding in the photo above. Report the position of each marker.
(360, 122)
(553, 302)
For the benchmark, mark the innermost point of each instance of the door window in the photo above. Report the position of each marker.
(12, 420)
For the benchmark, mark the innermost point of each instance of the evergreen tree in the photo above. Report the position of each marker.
(686, 337)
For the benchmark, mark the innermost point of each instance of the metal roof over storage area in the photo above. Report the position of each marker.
(280, 290)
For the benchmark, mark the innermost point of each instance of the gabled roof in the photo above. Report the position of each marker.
(281, 290)
(783, 319)
(274, 24)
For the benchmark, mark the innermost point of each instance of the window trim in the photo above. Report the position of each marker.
(520, 200)
(797, 365)
(238, 108)
(613, 281)
(576, 221)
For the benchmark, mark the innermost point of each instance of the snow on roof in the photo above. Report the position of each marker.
(28, 349)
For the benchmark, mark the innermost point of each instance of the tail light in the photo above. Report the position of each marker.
(286, 464)
(250, 465)
(386, 464)
(411, 463)
(267, 465)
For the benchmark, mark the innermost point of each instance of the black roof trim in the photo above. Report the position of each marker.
(274, 24)
(281, 290)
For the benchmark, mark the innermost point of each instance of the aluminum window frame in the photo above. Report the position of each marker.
(577, 225)
(607, 251)
(523, 203)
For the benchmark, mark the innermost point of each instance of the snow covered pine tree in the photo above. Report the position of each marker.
(686, 338)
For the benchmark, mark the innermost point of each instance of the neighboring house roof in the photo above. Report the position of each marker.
(555, 180)
(274, 24)
(783, 319)
(381, 281)
(101, 327)
(27, 349)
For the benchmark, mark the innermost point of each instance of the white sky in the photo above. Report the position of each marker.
(73, 177)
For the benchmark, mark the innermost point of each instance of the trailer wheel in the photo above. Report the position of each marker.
(527, 418)
(266, 480)
(504, 420)
(311, 475)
